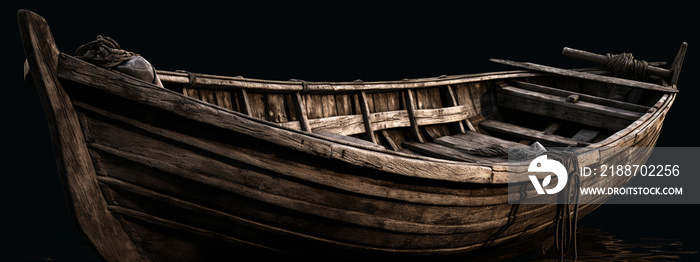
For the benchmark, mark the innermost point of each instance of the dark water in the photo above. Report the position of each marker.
(615, 233)
(632, 233)
(597, 245)
(49, 248)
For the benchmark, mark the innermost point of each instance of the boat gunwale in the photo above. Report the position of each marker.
(310, 143)
(219, 82)
(57, 75)
(345, 151)
(662, 105)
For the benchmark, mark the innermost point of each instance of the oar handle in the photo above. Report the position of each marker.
(603, 59)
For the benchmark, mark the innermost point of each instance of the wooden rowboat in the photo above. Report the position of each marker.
(215, 165)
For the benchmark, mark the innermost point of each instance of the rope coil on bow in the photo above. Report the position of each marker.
(104, 52)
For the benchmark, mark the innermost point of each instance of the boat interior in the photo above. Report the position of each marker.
(448, 121)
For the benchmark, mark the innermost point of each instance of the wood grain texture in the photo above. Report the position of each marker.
(555, 106)
(120, 86)
(588, 76)
(366, 117)
(530, 134)
(355, 124)
(273, 86)
(582, 97)
(300, 108)
(75, 165)
(176, 178)
(264, 168)
(678, 63)
(411, 106)
(432, 225)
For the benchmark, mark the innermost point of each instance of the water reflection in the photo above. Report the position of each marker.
(597, 245)
(593, 245)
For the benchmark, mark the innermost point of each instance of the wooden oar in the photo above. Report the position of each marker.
(587, 76)
(652, 68)
(604, 59)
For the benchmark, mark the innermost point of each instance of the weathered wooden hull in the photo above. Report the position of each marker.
(154, 175)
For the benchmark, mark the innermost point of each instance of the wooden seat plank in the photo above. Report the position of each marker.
(582, 97)
(586, 135)
(582, 112)
(530, 134)
(349, 139)
(551, 128)
(471, 140)
(453, 147)
(449, 153)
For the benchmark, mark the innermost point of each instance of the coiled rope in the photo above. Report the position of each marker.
(624, 65)
(104, 52)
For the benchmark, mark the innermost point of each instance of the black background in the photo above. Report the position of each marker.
(338, 42)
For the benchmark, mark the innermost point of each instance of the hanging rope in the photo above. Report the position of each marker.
(565, 222)
(566, 218)
(624, 65)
